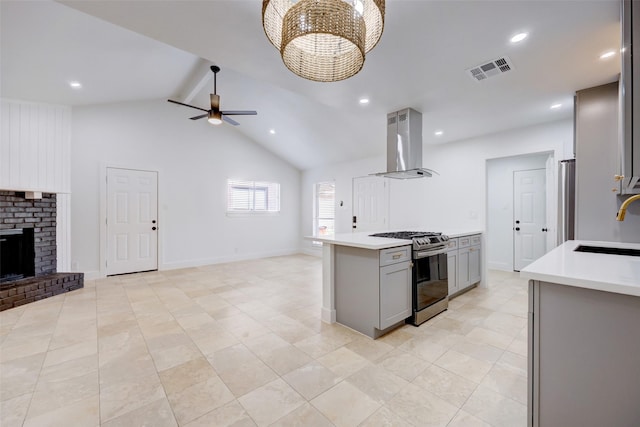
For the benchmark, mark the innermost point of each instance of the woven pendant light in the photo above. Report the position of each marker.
(323, 40)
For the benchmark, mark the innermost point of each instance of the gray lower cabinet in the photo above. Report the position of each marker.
(584, 357)
(464, 263)
(372, 288)
(395, 293)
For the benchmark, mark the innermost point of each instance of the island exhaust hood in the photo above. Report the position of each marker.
(404, 146)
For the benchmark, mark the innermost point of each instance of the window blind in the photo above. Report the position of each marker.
(252, 196)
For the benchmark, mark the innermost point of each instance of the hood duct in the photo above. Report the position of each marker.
(404, 146)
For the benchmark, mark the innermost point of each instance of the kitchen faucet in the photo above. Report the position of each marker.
(625, 205)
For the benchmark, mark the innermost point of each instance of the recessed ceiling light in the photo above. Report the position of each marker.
(75, 85)
(519, 37)
(438, 133)
(555, 106)
(364, 101)
(272, 131)
(607, 54)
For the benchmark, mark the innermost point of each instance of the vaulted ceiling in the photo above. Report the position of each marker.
(132, 50)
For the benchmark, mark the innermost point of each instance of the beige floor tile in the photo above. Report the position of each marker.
(370, 349)
(318, 345)
(266, 343)
(423, 348)
(180, 377)
(76, 332)
(385, 417)
(52, 393)
(343, 362)
(514, 362)
(506, 324)
(397, 337)
(306, 415)
(403, 364)
(170, 356)
(154, 414)
(19, 376)
(119, 398)
(214, 341)
(72, 352)
(479, 351)
(13, 411)
(127, 367)
(198, 399)
(463, 419)
(248, 377)
(421, 408)
(507, 382)
(453, 325)
(495, 409)
(311, 380)
(84, 413)
(485, 336)
(446, 385)
(285, 359)
(378, 383)
(518, 346)
(345, 405)
(18, 351)
(463, 365)
(230, 415)
(270, 402)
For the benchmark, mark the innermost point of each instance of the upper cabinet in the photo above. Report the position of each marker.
(35, 147)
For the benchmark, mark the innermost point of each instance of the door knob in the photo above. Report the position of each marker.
(517, 228)
(545, 229)
(153, 228)
(517, 221)
(154, 221)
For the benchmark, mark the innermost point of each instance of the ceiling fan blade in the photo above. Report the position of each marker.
(187, 105)
(215, 102)
(229, 120)
(239, 113)
(199, 117)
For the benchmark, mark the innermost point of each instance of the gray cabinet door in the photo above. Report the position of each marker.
(452, 271)
(474, 264)
(395, 293)
(463, 269)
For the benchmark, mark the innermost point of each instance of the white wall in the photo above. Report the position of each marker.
(455, 199)
(194, 161)
(499, 238)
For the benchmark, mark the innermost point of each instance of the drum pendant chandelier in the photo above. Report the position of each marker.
(323, 40)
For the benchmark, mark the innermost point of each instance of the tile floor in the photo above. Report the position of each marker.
(241, 344)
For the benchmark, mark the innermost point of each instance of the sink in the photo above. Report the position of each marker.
(610, 251)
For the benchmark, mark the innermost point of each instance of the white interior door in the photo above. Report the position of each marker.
(529, 216)
(132, 213)
(370, 203)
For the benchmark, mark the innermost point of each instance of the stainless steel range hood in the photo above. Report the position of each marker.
(404, 146)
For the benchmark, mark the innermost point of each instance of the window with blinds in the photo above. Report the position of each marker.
(252, 196)
(325, 209)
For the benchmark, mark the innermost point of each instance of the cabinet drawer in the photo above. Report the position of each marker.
(475, 240)
(394, 255)
(452, 244)
(464, 242)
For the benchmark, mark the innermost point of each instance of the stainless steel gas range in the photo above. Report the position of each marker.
(430, 280)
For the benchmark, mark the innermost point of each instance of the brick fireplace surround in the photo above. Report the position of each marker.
(39, 214)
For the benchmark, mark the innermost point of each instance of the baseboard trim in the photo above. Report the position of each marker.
(224, 259)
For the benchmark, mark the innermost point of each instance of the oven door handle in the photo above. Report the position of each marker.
(423, 254)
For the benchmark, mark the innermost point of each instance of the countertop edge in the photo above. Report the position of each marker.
(352, 240)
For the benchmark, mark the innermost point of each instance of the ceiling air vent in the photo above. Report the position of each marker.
(490, 69)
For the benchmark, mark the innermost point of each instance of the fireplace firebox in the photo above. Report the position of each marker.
(16, 254)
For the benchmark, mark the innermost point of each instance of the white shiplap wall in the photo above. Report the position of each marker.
(35, 144)
(35, 147)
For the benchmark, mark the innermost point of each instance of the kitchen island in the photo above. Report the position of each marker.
(584, 336)
(372, 276)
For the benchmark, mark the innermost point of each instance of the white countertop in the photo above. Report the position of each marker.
(611, 273)
(365, 241)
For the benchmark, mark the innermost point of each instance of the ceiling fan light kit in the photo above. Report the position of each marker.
(323, 40)
(214, 115)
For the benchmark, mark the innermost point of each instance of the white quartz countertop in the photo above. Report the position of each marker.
(365, 241)
(611, 273)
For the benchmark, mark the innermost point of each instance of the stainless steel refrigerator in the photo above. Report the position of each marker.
(567, 200)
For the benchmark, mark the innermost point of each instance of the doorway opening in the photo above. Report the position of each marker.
(521, 205)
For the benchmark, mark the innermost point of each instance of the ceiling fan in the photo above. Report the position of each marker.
(214, 115)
